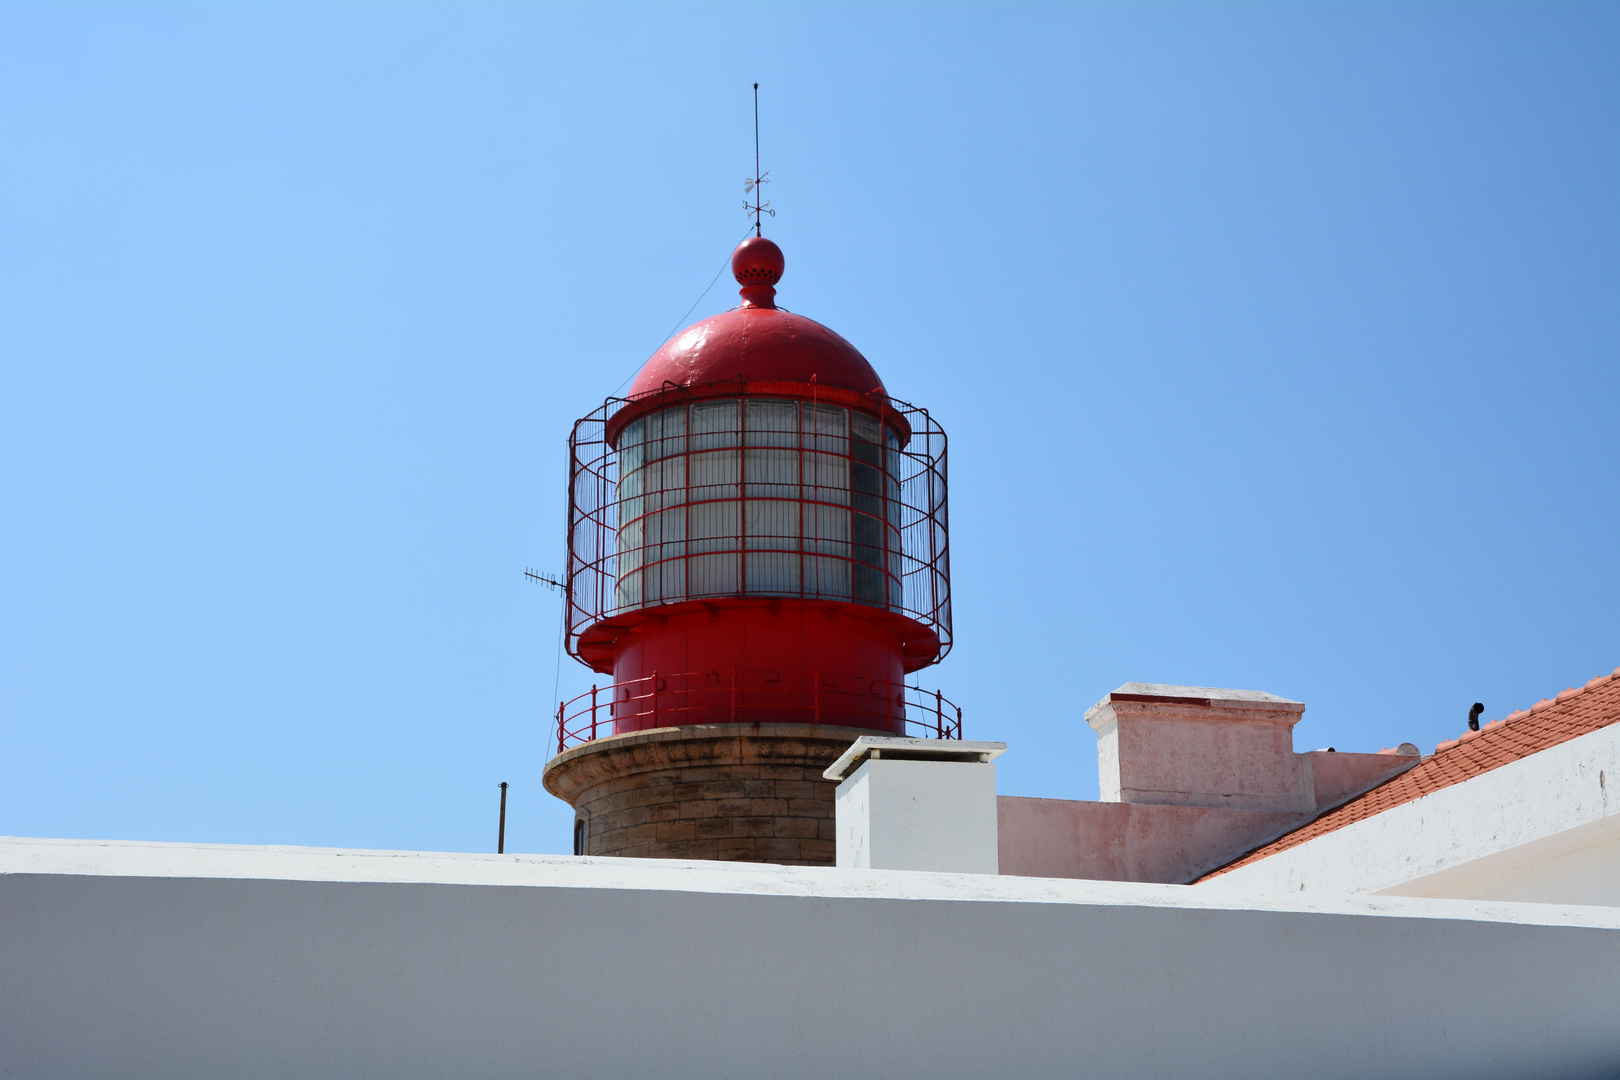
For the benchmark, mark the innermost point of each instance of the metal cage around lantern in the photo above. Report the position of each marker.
(785, 491)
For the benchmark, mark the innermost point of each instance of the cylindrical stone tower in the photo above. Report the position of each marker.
(757, 557)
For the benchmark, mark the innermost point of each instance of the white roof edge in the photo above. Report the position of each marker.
(146, 859)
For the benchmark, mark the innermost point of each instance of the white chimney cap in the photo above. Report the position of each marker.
(896, 748)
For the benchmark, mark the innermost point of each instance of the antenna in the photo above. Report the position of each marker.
(752, 187)
(547, 580)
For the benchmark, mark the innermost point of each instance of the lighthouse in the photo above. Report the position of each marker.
(757, 564)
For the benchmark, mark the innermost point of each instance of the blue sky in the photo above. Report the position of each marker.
(1277, 345)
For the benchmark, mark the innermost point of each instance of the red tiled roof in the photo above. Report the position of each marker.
(1571, 714)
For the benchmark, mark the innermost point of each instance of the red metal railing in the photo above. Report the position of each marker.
(806, 697)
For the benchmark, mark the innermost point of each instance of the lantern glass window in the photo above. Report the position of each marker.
(759, 496)
(755, 497)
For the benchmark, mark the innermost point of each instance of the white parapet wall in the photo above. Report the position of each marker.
(1545, 828)
(181, 961)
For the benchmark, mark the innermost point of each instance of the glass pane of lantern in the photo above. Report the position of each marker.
(773, 574)
(630, 450)
(715, 424)
(666, 433)
(671, 532)
(632, 506)
(663, 574)
(627, 593)
(666, 482)
(826, 478)
(827, 530)
(714, 526)
(826, 577)
(713, 575)
(866, 487)
(629, 548)
(772, 525)
(630, 483)
(827, 429)
(870, 586)
(652, 577)
(773, 423)
(771, 474)
(681, 481)
(714, 475)
(673, 584)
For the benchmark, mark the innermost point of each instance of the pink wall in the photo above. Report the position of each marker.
(1117, 841)
(1192, 777)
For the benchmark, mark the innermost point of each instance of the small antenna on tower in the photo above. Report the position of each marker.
(752, 187)
(550, 581)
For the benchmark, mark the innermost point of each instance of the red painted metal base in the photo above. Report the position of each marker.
(761, 661)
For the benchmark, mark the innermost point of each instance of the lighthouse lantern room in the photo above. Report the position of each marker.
(757, 536)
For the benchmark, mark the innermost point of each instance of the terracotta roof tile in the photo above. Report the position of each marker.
(1575, 712)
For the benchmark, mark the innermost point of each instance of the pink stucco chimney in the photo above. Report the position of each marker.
(1200, 746)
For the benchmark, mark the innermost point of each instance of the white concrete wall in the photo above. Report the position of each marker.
(918, 815)
(175, 961)
(1580, 866)
(1541, 828)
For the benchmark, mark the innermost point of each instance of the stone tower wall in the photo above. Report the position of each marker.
(736, 792)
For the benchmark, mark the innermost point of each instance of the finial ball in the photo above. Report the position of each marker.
(757, 261)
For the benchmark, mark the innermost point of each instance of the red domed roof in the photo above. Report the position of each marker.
(757, 341)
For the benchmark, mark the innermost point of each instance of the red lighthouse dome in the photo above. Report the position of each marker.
(757, 341)
(757, 533)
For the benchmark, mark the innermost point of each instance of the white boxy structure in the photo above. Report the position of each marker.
(181, 961)
(917, 804)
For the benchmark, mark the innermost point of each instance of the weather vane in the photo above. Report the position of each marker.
(753, 186)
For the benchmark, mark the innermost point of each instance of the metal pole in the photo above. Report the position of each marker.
(593, 712)
(500, 838)
(655, 696)
(757, 199)
(560, 736)
(939, 717)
